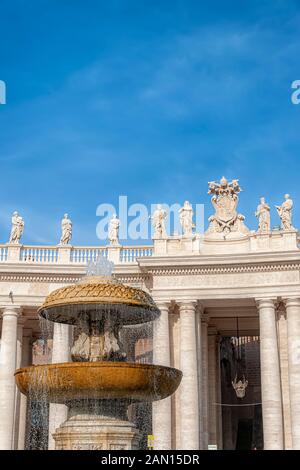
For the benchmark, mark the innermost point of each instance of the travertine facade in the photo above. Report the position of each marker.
(202, 284)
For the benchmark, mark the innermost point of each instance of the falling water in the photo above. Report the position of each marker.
(136, 341)
(121, 332)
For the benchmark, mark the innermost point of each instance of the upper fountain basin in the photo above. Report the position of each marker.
(65, 382)
(98, 297)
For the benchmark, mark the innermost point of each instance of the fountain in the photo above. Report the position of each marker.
(99, 385)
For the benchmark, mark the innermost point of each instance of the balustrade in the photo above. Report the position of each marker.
(79, 255)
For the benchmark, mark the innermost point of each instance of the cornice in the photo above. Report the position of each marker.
(31, 277)
(158, 266)
(65, 278)
(229, 269)
(142, 277)
(47, 268)
(193, 260)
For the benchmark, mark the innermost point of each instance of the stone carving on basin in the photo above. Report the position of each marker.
(99, 385)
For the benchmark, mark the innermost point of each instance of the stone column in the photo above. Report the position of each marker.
(204, 383)
(199, 311)
(161, 410)
(293, 331)
(60, 353)
(212, 387)
(284, 372)
(218, 394)
(8, 356)
(199, 368)
(189, 398)
(21, 322)
(270, 377)
(26, 361)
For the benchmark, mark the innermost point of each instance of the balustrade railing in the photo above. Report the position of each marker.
(39, 254)
(84, 254)
(129, 254)
(79, 255)
(3, 253)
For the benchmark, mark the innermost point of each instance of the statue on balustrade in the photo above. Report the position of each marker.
(66, 230)
(17, 228)
(158, 221)
(225, 201)
(186, 219)
(263, 215)
(285, 212)
(113, 230)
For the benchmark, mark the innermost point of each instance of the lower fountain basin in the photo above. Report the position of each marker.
(69, 381)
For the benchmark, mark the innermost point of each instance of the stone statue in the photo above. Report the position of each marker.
(113, 230)
(263, 215)
(112, 346)
(158, 222)
(80, 350)
(97, 342)
(17, 228)
(285, 212)
(66, 230)
(225, 201)
(186, 219)
(240, 387)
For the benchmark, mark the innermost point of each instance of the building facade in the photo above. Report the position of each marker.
(230, 320)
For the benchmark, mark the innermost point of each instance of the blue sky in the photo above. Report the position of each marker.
(149, 99)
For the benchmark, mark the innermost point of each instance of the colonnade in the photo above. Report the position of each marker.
(15, 352)
(200, 420)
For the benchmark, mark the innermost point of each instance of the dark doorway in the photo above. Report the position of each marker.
(241, 416)
(244, 435)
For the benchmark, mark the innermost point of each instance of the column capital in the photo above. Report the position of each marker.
(187, 305)
(10, 310)
(270, 302)
(163, 304)
(292, 301)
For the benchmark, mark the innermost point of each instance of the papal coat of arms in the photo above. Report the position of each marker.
(225, 200)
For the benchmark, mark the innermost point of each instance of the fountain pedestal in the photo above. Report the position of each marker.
(100, 426)
(94, 433)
